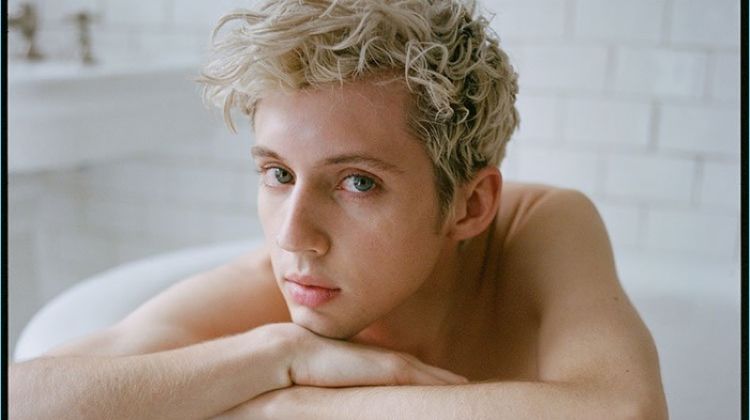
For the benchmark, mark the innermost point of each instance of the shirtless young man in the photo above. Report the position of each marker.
(400, 278)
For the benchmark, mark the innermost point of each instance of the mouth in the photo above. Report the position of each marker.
(304, 293)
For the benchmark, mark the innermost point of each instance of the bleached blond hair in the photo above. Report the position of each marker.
(462, 85)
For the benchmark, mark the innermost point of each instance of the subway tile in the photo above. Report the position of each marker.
(25, 186)
(695, 233)
(189, 224)
(24, 194)
(725, 80)
(659, 72)
(22, 284)
(713, 23)
(191, 148)
(204, 184)
(153, 44)
(204, 13)
(59, 275)
(569, 169)
(649, 178)
(512, 17)
(55, 42)
(607, 122)
(119, 217)
(229, 226)
(565, 67)
(152, 12)
(720, 186)
(22, 216)
(510, 164)
(634, 20)
(62, 11)
(700, 129)
(540, 117)
(59, 207)
(74, 244)
(110, 44)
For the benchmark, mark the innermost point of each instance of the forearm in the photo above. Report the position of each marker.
(500, 400)
(197, 381)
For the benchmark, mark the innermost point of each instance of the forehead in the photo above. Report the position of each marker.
(357, 117)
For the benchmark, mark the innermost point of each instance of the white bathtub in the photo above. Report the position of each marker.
(691, 308)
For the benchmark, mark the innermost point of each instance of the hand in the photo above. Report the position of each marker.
(324, 362)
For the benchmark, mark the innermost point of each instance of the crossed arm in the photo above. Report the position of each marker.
(595, 358)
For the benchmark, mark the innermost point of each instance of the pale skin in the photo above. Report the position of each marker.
(507, 307)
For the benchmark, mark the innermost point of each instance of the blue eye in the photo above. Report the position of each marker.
(358, 183)
(282, 176)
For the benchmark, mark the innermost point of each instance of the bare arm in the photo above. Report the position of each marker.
(196, 381)
(595, 358)
(165, 360)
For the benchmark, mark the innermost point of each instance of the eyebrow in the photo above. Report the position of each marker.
(351, 158)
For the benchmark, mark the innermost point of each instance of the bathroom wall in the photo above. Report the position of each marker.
(635, 103)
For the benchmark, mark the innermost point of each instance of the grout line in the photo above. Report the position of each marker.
(643, 226)
(710, 69)
(570, 20)
(610, 69)
(666, 23)
(698, 175)
(653, 140)
(601, 182)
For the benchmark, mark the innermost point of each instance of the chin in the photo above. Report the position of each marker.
(322, 325)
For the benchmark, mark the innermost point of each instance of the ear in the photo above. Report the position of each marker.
(476, 204)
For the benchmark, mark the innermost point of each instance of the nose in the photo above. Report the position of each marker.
(301, 229)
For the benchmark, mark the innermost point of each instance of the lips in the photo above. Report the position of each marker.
(309, 291)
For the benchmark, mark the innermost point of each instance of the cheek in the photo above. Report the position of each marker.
(396, 249)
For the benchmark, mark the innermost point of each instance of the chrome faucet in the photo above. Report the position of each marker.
(26, 22)
(83, 22)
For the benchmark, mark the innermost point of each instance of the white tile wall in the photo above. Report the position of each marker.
(576, 67)
(650, 178)
(623, 223)
(512, 17)
(609, 123)
(709, 129)
(541, 118)
(725, 77)
(693, 232)
(633, 102)
(660, 72)
(713, 23)
(117, 12)
(720, 186)
(204, 13)
(619, 21)
(565, 168)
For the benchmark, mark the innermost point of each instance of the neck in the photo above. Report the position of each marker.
(423, 324)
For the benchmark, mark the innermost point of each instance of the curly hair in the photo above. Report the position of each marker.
(462, 85)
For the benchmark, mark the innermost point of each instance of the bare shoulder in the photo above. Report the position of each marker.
(557, 250)
(232, 298)
(548, 231)
(522, 202)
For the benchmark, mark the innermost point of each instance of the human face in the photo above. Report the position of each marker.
(347, 202)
